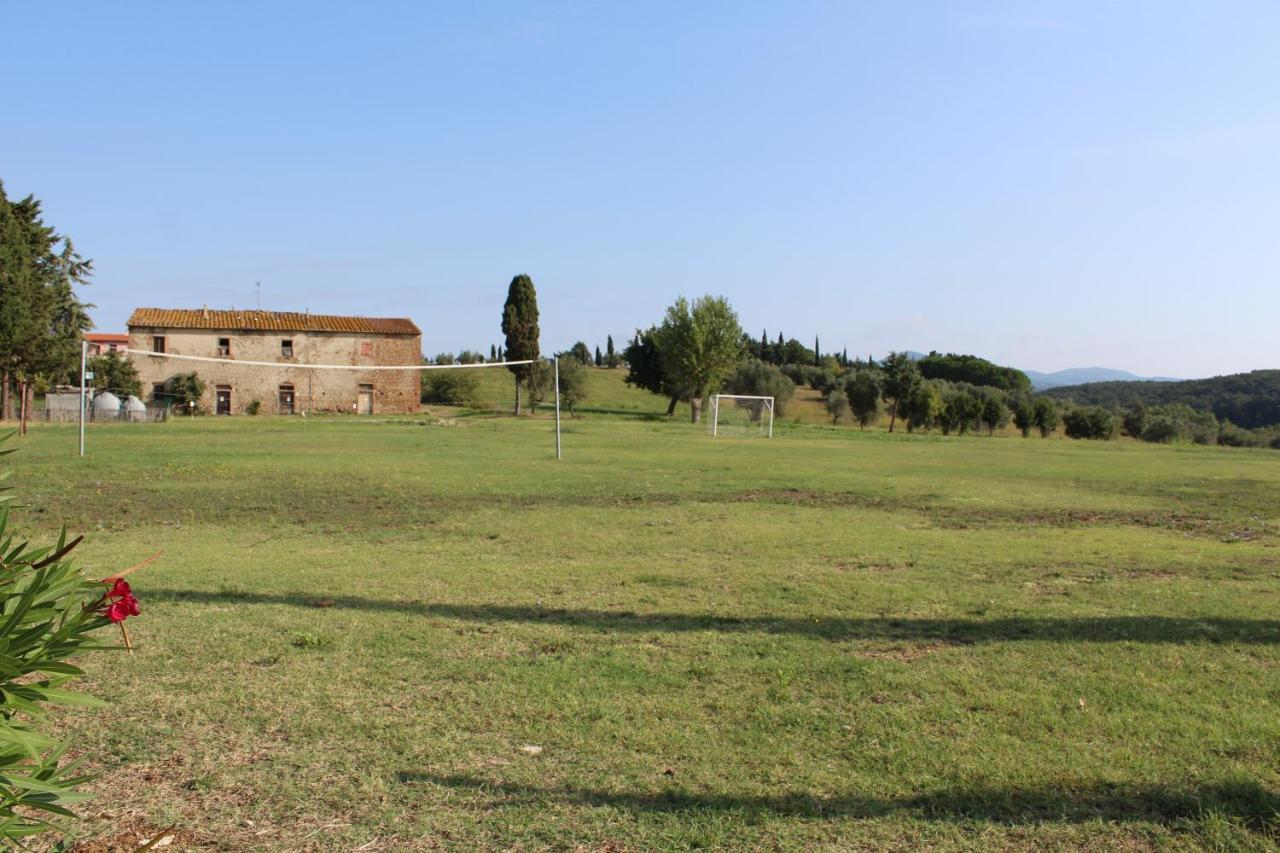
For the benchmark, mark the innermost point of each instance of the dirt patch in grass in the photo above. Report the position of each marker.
(911, 651)
(961, 518)
(1152, 574)
(869, 566)
(126, 834)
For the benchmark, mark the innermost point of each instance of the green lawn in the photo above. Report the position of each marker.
(827, 640)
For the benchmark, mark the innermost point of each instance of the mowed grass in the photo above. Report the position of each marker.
(827, 640)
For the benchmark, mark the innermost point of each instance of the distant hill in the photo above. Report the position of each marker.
(1082, 375)
(1246, 399)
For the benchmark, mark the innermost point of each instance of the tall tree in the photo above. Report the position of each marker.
(17, 299)
(520, 325)
(644, 369)
(599, 357)
(817, 353)
(41, 317)
(608, 349)
(901, 378)
(700, 346)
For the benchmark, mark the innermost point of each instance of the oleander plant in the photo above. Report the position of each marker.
(50, 613)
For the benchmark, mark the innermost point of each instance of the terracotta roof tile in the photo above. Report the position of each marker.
(268, 321)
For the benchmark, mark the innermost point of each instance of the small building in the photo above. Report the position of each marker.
(101, 343)
(279, 341)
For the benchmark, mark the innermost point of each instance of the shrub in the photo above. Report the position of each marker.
(573, 382)
(50, 610)
(822, 379)
(995, 414)
(116, 374)
(450, 387)
(1091, 422)
(863, 391)
(799, 374)
(253, 408)
(764, 380)
(1045, 416)
(961, 410)
(1179, 423)
(183, 392)
(1024, 415)
(1135, 421)
(837, 405)
(923, 408)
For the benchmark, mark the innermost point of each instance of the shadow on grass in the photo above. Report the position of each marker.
(1243, 802)
(1138, 629)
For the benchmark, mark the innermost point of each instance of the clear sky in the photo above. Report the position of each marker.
(1045, 184)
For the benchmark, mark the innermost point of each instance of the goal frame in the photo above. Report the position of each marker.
(715, 411)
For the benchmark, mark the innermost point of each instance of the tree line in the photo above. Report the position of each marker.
(1247, 400)
(42, 318)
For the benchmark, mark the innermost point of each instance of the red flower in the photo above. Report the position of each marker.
(119, 603)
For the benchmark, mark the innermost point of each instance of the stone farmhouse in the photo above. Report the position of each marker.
(284, 339)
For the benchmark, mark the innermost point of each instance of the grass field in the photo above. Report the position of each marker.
(410, 633)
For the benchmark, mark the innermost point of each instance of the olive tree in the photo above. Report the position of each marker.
(901, 378)
(700, 345)
(863, 391)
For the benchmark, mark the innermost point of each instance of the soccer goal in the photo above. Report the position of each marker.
(742, 415)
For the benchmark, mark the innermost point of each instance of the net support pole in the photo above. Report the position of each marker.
(715, 415)
(84, 366)
(556, 363)
(770, 419)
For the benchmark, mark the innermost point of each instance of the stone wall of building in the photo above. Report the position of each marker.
(393, 391)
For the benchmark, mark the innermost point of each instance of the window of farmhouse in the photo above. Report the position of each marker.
(224, 346)
(286, 348)
(157, 343)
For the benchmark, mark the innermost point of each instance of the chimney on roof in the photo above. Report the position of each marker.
(204, 311)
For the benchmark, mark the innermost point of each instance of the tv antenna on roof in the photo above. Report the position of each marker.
(257, 286)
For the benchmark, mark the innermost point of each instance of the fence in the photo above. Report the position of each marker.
(64, 415)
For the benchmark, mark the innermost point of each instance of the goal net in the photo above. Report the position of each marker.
(741, 415)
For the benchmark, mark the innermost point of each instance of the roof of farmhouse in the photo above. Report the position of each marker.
(268, 321)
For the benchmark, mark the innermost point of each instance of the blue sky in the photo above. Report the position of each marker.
(1046, 184)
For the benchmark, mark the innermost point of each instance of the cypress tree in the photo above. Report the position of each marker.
(520, 325)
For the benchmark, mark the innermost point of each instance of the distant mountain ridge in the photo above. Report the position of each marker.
(1085, 375)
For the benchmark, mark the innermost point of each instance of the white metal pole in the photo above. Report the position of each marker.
(770, 419)
(84, 366)
(556, 362)
(715, 415)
